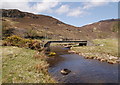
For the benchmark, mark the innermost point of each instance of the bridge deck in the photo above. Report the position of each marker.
(48, 43)
(66, 41)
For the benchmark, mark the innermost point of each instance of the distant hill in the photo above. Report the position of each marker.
(101, 29)
(30, 25)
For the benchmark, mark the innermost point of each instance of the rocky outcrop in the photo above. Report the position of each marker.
(15, 13)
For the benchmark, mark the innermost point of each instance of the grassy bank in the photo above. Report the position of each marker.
(105, 50)
(20, 65)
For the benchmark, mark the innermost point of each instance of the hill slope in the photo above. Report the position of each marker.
(101, 29)
(40, 26)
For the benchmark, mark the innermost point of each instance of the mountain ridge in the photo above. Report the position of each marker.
(25, 22)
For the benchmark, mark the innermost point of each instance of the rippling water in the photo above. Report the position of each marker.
(82, 70)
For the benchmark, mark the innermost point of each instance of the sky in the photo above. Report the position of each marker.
(73, 12)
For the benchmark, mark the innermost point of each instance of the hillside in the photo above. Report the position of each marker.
(102, 29)
(30, 25)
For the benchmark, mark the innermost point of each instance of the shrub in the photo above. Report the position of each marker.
(52, 54)
(6, 32)
(14, 40)
(115, 27)
(21, 42)
(6, 29)
(31, 33)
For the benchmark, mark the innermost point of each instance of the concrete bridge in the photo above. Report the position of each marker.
(81, 43)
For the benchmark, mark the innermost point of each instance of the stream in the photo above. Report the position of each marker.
(82, 70)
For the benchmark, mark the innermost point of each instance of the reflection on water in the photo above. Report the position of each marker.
(83, 70)
(59, 49)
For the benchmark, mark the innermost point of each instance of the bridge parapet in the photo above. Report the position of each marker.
(80, 42)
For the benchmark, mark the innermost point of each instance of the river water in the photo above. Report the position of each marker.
(82, 70)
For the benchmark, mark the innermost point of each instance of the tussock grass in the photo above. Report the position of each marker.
(105, 49)
(106, 46)
(20, 66)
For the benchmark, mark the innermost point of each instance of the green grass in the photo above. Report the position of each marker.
(18, 66)
(106, 47)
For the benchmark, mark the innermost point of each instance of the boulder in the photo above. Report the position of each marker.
(65, 71)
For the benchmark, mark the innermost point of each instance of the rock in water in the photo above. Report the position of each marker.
(65, 71)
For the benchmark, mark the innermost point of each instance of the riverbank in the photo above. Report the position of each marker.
(82, 70)
(106, 50)
(20, 65)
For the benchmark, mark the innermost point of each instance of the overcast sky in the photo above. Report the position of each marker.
(74, 12)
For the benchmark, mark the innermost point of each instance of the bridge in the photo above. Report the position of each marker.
(81, 43)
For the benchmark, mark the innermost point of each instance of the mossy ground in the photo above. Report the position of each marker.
(20, 66)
